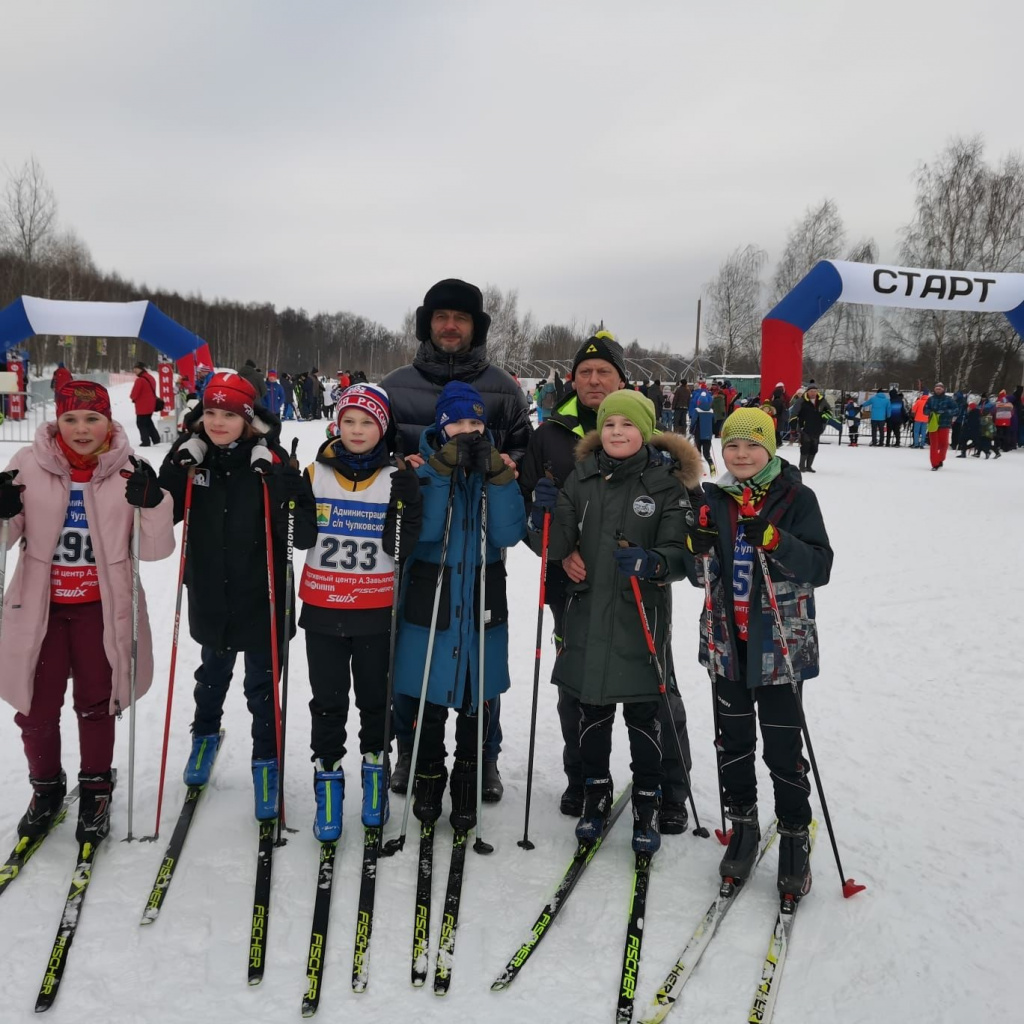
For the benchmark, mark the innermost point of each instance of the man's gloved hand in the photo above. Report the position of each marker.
(405, 487)
(701, 530)
(545, 498)
(636, 561)
(190, 452)
(142, 489)
(10, 495)
(760, 533)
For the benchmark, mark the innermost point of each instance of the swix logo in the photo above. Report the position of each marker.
(69, 592)
(342, 599)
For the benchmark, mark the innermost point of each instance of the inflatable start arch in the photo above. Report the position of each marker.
(832, 281)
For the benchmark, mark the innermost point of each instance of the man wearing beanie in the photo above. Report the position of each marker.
(599, 370)
(451, 326)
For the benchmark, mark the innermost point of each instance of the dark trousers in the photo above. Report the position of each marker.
(680, 421)
(213, 677)
(641, 717)
(674, 788)
(878, 432)
(853, 426)
(776, 707)
(435, 716)
(147, 430)
(73, 646)
(892, 430)
(334, 662)
(808, 449)
(403, 714)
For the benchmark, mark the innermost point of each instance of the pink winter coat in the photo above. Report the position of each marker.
(45, 472)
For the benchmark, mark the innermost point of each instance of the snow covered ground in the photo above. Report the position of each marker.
(917, 722)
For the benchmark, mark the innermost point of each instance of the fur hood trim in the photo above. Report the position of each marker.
(686, 460)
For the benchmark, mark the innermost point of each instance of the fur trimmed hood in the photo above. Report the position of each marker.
(686, 461)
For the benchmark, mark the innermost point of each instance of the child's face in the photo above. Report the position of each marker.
(359, 431)
(83, 430)
(222, 427)
(457, 427)
(620, 438)
(743, 458)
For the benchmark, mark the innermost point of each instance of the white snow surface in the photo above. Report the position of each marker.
(916, 721)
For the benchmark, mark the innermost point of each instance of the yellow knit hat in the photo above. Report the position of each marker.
(750, 425)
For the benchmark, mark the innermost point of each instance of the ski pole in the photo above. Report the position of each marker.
(525, 841)
(480, 846)
(5, 525)
(850, 887)
(274, 655)
(393, 846)
(134, 665)
(723, 833)
(699, 830)
(289, 599)
(174, 654)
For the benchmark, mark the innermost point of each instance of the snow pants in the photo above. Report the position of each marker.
(641, 717)
(435, 716)
(938, 445)
(776, 707)
(73, 646)
(403, 714)
(334, 662)
(147, 430)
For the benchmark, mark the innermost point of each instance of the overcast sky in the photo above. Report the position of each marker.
(602, 158)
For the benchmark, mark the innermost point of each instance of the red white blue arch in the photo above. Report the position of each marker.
(832, 281)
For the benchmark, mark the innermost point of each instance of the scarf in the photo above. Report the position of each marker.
(82, 466)
(356, 466)
(757, 485)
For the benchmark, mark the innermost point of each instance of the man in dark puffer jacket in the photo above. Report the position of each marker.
(451, 326)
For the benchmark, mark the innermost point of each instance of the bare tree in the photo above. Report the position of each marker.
(28, 212)
(510, 339)
(733, 320)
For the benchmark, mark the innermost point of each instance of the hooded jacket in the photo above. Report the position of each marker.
(413, 391)
(45, 472)
(604, 657)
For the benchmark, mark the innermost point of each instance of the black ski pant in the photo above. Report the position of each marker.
(878, 432)
(641, 717)
(777, 709)
(334, 663)
(213, 677)
(435, 716)
(808, 449)
(674, 788)
(147, 430)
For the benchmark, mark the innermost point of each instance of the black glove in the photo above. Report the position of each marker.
(545, 498)
(634, 561)
(190, 452)
(405, 487)
(293, 459)
(261, 459)
(475, 453)
(760, 533)
(10, 495)
(701, 530)
(142, 489)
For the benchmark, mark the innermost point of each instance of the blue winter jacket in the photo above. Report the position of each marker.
(944, 406)
(456, 655)
(702, 414)
(878, 403)
(275, 397)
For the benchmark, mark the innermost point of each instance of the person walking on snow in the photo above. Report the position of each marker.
(68, 610)
(944, 409)
(144, 397)
(231, 446)
(759, 502)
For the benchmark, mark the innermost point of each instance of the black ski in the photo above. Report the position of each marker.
(68, 926)
(580, 859)
(27, 845)
(364, 915)
(634, 939)
(450, 920)
(421, 923)
(164, 875)
(261, 901)
(318, 935)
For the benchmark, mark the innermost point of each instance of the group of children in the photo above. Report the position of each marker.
(632, 510)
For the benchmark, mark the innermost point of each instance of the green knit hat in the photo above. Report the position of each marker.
(637, 408)
(750, 425)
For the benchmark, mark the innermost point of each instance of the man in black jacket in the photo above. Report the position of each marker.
(598, 369)
(451, 326)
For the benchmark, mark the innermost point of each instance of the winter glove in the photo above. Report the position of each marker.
(498, 472)
(10, 495)
(635, 561)
(190, 452)
(446, 459)
(702, 532)
(475, 453)
(293, 459)
(261, 460)
(142, 489)
(405, 487)
(545, 498)
(760, 533)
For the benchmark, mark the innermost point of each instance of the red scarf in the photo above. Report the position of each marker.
(83, 466)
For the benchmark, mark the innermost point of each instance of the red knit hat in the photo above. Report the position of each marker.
(229, 391)
(367, 398)
(83, 394)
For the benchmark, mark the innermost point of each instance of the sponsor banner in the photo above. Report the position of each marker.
(344, 590)
(165, 389)
(350, 518)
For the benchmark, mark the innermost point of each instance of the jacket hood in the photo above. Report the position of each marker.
(686, 461)
(53, 460)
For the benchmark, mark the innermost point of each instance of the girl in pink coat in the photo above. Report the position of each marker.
(68, 609)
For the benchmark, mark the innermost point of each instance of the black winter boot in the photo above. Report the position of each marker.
(597, 803)
(47, 798)
(428, 791)
(494, 789)
(739, 857)
(463, 790)
(571, 802)
(400, 771)
(794, 860)
(673, 818)
(94, 807)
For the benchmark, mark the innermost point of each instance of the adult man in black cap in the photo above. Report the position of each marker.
(598, 369)
(451, 326)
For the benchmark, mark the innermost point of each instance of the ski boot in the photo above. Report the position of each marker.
(673, 817)
(400, 772)
(94, 807)
(329, 790)
(375, 791)
(47, 799)
(463, 790)
(200, 761)
(741, 853)
(494, 788)
(571, 802)
(265, 785)
(597, 803)
(794, 860)
(428, 791)
(646, 837)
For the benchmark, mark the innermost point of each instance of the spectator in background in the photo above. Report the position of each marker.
(144, 397)
(680, 405)
(288, 389)
(60, 377)
(274, 400)
(920, 421)
(254, 375)
(878, 403)
(780, 402)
